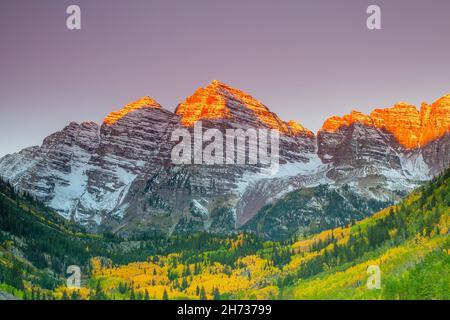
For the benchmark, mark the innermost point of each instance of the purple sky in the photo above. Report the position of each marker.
(306, 60)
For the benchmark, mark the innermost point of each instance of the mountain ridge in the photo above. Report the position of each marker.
(118, 175)
(330, 124)
(412, 127)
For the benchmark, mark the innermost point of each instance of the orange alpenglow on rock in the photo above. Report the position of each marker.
(297, 129)
(212, 103)
(410, 127)
(205, 103)
(145, 102)
(334, 123)
(435, 119)
(403, 121)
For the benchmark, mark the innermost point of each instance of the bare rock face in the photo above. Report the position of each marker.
(356, 144)
(131, 143)
(406, 127)
(399, 138)
(436, 154)
(54, 172)
(435, 119)
(120, 176)
(435, 143)
(403, 121)
(221, 106)
(219, 101)
(204, 197)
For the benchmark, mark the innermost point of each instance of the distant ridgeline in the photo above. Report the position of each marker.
(409, 242)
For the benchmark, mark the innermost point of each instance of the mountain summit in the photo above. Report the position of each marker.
(145, 102)
(220, 101)
(205, 103)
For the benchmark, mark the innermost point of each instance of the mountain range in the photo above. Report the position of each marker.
(406, 246)
(119, 177)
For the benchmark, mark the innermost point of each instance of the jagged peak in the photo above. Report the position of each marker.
(435, 119)
(411, 127)
(297, 129)
(211, 102)
(441, 105)
(216, 84)
(443, 101)
(83, 124)
(403, 105)
(334, 123)
(205, 103)
(144, 102)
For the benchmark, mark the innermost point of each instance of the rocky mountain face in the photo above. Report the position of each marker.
(312, 209)
(399, 138)
(120, 176)
(195, 197)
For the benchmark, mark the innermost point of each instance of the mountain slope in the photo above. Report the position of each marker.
(33, 241)
(310, 210)
(410, 242)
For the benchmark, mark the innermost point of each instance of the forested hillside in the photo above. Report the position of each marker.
(409, 242)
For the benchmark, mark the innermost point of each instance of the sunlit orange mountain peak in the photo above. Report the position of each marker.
(334, 123)
(411, 128)
(297, 129)
(205, 103)
(220, 101)
(144, 102)
(403, 121)
(435, 119)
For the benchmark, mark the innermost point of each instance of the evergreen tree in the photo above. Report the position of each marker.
(203, 294)
(65, 296)
(75, 295)
(197, 291)
(216, 294)
(165, 295)
(99, 294)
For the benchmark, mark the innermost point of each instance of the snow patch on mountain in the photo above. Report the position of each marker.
(13, 166)
(415, 167)
(312, 166)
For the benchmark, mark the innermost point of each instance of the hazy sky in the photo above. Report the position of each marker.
(306, 60)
